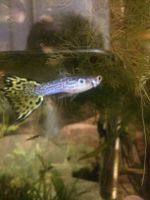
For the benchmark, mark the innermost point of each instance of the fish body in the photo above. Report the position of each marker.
(26, 95)
(68, 85)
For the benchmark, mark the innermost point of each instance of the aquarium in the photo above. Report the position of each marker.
(74, 99)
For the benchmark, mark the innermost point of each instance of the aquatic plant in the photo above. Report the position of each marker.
(20, 183)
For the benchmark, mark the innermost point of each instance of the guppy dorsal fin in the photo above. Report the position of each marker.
(20, 94)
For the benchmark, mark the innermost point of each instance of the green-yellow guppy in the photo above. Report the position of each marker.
(26, 95)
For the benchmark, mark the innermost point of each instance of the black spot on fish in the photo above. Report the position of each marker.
(18, 87)
(9, 84)
(38, 101)
(30, 102)
(23, 116)
(15, 92)
(18, 82)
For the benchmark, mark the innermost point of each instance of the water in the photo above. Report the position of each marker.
(40, 41)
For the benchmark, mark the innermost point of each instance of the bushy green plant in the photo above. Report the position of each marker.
(47, 185)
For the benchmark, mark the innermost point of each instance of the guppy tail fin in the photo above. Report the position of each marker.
(20, 94)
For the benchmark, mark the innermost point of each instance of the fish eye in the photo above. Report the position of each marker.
(99, 78)
(81, 80)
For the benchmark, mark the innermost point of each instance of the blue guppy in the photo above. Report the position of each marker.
(26, 95)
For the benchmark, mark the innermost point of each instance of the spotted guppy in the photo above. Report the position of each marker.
(26, 95)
